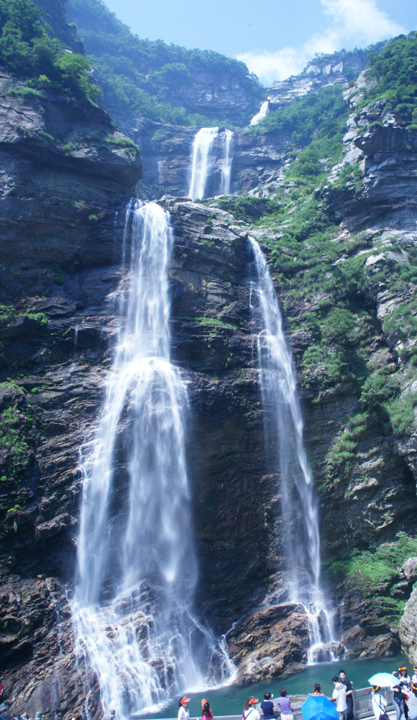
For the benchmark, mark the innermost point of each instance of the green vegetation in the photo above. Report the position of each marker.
(58, 276)
(8, 312)
(215, 322)
(122, 142)
(316, 122)
(375, 572)
(27, 51)
(393, 71)
(11, 439)
(245, 207)
(147, 78)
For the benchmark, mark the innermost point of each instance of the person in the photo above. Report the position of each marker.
(379, 703)
(412, 703)
(339, 697)
(399, 697)
(206, 714)
(267, 707)
(405, 679)
(317, 689)
(249, 709)
(183, 711)
(284, 703)
(349, 693)
(414, 678)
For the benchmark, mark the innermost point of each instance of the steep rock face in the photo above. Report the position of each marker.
(66, 175)
(407, 628)
(322, 71)
(58, 344)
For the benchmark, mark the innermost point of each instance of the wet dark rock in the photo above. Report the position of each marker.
(269, 643)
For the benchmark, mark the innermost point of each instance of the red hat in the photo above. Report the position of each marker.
(184, 699)
(203, 702)
(252, 700)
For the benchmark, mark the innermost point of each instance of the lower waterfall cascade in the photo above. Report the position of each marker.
(283, 425)
(132, 609)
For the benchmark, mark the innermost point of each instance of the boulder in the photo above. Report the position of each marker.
(269, 643)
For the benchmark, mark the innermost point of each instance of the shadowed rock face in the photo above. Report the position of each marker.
(58, 340)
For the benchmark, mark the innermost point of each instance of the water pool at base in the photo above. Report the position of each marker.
(229, 700)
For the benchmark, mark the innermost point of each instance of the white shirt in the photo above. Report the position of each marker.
(183, 714)
(379, 704)
(251, 714)
(339, 694)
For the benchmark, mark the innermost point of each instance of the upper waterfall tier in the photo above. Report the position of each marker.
(263, 111)
(211, 163)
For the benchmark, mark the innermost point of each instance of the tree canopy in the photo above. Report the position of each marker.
(27, 51)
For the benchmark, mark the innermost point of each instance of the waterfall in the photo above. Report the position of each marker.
(137, 571)
(284, 440)
(261, 114)
(226, 163)
(201, 161)
(211, 165)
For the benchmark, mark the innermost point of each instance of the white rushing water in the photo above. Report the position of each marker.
(285, 446)
(261, 114)
(227, 160)
(211, 163)
(133, 605)
(202, 161)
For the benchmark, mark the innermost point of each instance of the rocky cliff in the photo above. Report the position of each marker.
(342, 248)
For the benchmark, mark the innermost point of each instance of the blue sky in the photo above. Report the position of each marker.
(274, 37)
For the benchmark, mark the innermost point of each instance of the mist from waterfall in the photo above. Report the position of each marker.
(263, 111)
(286, 452)
(211, 163)
(133, 604)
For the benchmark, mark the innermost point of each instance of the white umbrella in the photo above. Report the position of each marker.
(383, 679)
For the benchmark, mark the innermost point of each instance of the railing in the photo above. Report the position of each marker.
(362, 706)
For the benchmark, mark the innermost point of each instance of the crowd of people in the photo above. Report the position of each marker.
(404, 698)
(404, 695)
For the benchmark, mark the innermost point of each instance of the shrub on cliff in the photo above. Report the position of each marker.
(394, 72)
(27, 51)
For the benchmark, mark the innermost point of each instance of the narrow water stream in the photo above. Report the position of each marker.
(286, 455)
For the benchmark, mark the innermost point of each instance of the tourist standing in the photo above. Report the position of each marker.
(249, 709)
(379, 703)
(183, 711)
(206, 712)
(339, 697)
(284, 703)
(399, 697)
(405, 679)
(267, 707)
(349, 693)
(317, 689)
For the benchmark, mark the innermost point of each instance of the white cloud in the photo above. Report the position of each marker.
(352, 23)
